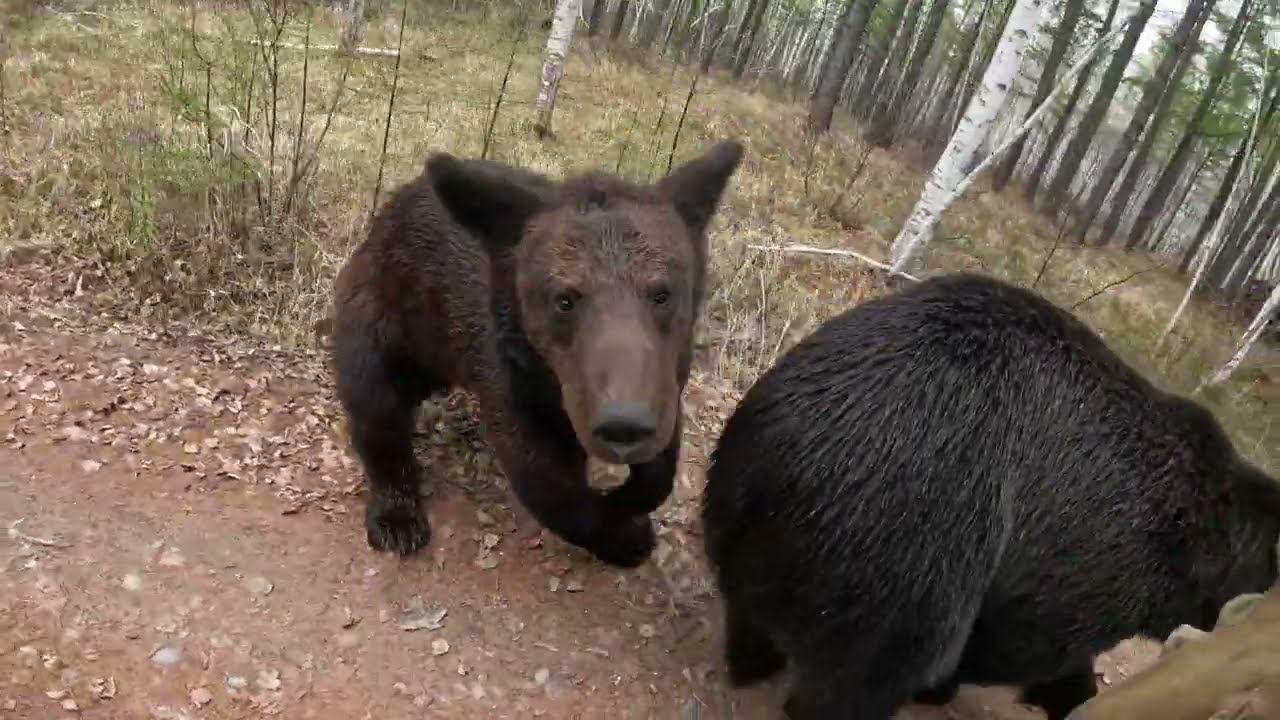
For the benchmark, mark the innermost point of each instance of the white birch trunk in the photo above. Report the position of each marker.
(1250, 337)
(562, 25)
(1239, 261)
(944, 183)
(351, 36)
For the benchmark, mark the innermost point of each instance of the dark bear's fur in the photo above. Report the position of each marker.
(566, 308)
(960, 483)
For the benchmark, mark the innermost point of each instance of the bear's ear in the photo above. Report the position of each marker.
(491, 200)
(696, 186)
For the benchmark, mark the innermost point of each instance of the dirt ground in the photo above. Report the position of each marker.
(183, 538)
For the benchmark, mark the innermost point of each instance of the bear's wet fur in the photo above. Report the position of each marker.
(567, 309)
(960, 483)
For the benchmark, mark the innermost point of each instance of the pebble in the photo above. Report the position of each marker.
(236, 682)
(541, 675)
(131, 582)
(167, 655)
(647, 631)
(201, 697)
(439, 646)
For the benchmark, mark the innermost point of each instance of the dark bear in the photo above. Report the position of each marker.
(566, 308)
(960, 483)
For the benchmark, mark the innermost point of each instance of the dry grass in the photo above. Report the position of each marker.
(109, 162)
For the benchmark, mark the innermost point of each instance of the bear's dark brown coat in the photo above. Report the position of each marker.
(566, 308)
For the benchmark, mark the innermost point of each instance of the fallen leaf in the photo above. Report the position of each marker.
(434, 621)
(201, 697)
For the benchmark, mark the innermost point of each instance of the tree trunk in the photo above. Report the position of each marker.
(882, 130)
(1213, 216)
(1125, 195)
(846, 46)
(1036, 177)
(1162, 83)
(558, 41)
(942, 109)
(716, 23)
(894, 64)
(744, 28)
(1173, 168)
(743, 54)
(1071, 11)
(1193, 179)
(597, 17)
(619, 19)
(1060, 186)
(355, 24)
(947, 177)
(1253, 242)
(652, 23)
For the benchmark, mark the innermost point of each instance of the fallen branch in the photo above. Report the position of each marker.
(812, 250)
(1114, 283)
(17, 534)
(377, 52)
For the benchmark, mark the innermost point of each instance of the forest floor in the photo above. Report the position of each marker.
(184, 539)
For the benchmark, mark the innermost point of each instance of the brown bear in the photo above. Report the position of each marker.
(566, 308)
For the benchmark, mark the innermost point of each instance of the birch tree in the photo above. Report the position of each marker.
(558, 41)
(949, 176)
(1251, 335)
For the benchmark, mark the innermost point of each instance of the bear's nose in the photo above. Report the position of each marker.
(624, 427)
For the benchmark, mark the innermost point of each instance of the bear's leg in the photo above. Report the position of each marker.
(941, 693)
(648, 484)
(1059, 696)
(549, 476)
(381, 396)
(828, 693)
(750, 654)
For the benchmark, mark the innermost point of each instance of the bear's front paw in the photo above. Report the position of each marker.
(625, 542)
(396, 524)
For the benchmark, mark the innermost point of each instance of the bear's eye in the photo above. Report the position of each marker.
(660, 295)
(566, 301)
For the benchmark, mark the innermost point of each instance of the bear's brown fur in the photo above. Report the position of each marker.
(567, 309)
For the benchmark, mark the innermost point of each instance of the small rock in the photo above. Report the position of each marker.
(90, 466)
(70, 705)
(259, 586)
(439, 646)
(490, 540)
(55, 694)
(647, 631)
(172, 557)
(541, 675)
(201, 697)
(428, 622)
(131, 582)
(167, 655)
(269, 679)
(236, 682)
(553, 583)
(422, 701)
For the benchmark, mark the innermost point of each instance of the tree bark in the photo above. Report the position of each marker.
(558, 41)
(1036, 178)
(596, 17)
(619, 19)
(882, 130)
(846, 47)
(895, 58)
(1164, 81)
(1213, 216)
(653, 23)
(1060, 186)
(943, 109)
(743, 54)
(1071, 12)
(950, 173)
(717, 25)
(1173, 168)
